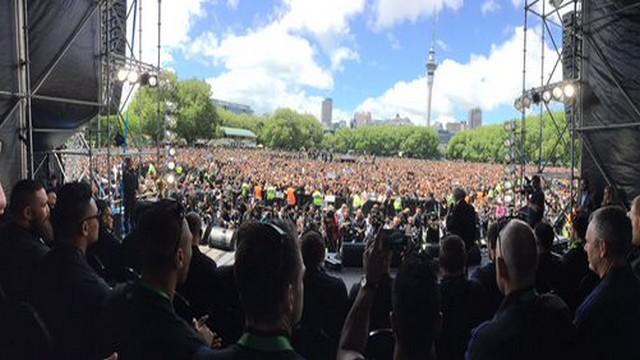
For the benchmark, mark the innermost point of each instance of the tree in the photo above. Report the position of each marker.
(142, 112)
(243, 121)
(196, 116)
(287, 129)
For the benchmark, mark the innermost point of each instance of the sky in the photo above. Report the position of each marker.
(367, 55)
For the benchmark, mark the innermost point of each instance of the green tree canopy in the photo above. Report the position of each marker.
(290, 130)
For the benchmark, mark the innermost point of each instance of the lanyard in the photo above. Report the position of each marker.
(265, 343)
(156, 291)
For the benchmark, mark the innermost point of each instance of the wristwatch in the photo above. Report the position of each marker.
(365, 284)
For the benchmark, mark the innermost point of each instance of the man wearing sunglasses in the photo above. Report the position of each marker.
(69, 294)
(139, 320)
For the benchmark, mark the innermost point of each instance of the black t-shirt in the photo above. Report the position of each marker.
(139, 323)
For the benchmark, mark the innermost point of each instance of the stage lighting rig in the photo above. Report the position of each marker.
(564, 91)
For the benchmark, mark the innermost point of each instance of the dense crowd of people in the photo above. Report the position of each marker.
(71, 288)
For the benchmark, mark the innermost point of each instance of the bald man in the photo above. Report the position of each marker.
(634, 255)
(527, 325)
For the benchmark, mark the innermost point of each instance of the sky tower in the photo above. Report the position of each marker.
(431, 70)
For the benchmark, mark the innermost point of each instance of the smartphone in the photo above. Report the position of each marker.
(393, 239)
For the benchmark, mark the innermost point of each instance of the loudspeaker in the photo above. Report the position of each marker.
(352, 254)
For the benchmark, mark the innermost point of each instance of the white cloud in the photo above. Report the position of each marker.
(517, 3)
(390, 12)
(489, 6)
(485, 81)
(233, 4)
(276, 65)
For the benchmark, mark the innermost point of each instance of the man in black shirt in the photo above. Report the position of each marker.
(21, 245)
(462, 220)
(463, 301)
(68, 293)
(269, 274)
(527, 325)
(200, 286)
(139, 321)
(548, 274)
(536, 202)
(130, 187)
(574, 265)
(486, 275)
(325, 303)
(608, 320)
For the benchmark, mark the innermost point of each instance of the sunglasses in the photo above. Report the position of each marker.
(96, 216)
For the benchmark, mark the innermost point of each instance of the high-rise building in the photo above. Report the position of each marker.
(455, 127)
(475, 118)
(327, 112)
(362, 119)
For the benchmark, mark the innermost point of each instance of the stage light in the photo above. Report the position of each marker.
(557, 93)
(171, 165)
(508, 185)
(122, 75)
(546, 95)
(526, 101)
(535, 97)
(507, 143)
(508, 198)
(518, 104)
(569, 91)
(132, 77)
(171, 179)
(153, 80)
(508, 158)
(172, 152)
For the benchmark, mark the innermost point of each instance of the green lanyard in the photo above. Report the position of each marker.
(265, 343)
(156, 291)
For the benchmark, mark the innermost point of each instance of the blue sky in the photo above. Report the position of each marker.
(368, 55)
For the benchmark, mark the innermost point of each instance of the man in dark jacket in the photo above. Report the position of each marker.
(608, 320)
(21, 245)
(130, 188)
(527, 325)
(548, 274)
(68, 293)
(325, 303)
(462, 220)
(139, 321)
(200, 287)
(463, 301)
(486, 275)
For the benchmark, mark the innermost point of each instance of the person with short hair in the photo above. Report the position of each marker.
(609, 318)
(68, 293)
(486, 275)
(106, 256)
(269, 274)
(325, 302)
(548, 274)
(415, 318)
(200, 286)
(463, 301)
(527, 325)
(139, 319)
(22, 246)
(462, 221)
(634, 255)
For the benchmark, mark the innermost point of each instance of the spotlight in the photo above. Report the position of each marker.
(507, 143)
(518, 104)
(171, 165)
(535, 97)
(569, 91)
(557, 93)
(132, 77)
(509, 126)
(172, 152)
(153, 80)
(546, 95)
(171, 179)
(508, 158)
(122, 75)
(526, 101)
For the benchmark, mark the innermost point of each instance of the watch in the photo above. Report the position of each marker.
(364, 284)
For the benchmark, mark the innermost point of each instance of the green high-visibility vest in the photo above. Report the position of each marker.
(152, 170)
(179, 170)
(397, 204)
(317, 198)
(357, 201)
(271, 193)
(245, 189)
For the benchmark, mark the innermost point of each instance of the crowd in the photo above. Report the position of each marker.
(72, 289)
